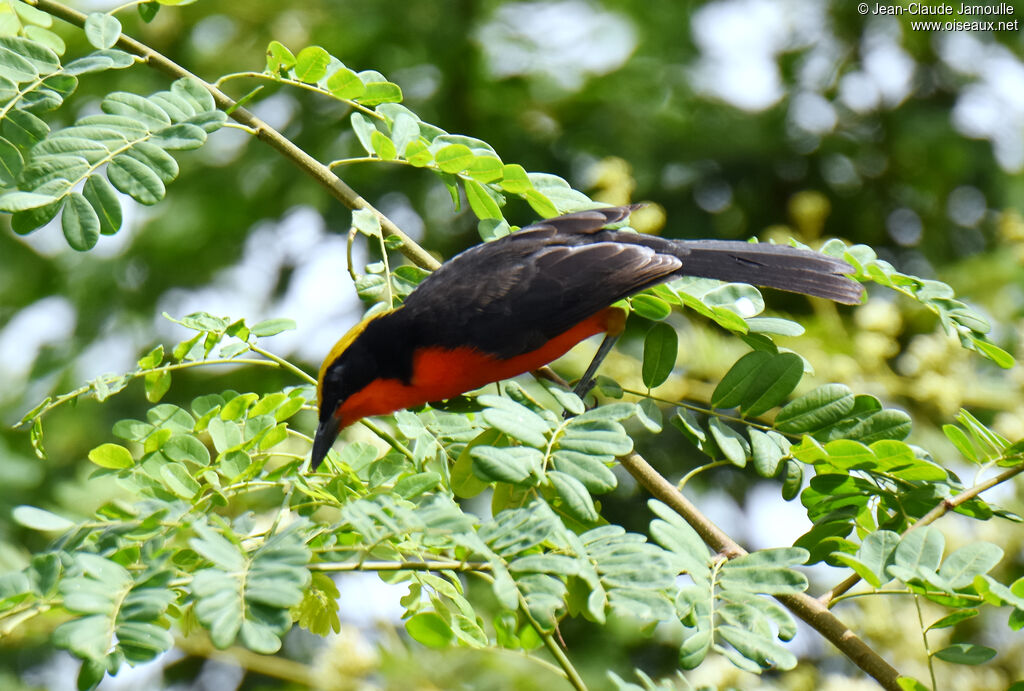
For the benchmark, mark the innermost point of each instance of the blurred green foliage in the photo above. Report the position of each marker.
(852, 127)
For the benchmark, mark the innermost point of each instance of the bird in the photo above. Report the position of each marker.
(514, 304)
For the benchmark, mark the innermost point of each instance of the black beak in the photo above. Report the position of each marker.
(326, 433)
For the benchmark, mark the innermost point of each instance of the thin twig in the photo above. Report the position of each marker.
(941, 509)
(552, 645)
(301, 374)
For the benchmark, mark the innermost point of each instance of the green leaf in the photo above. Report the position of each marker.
(676, 535)
(22, 201)
(414, 485)
(816, 409)
(481, 202)
(765, 652)
(430, 629)
(366, 222)
(960, 567)
(148, 11)
(962, 442)
(611, 411)
(272, 327)
(311, 64)
(515, 420)
(774, 326)
(186, 448)
(540, 204)
(575, 497)
(136, 107)
(15, 67)
(102, 30)
(648, 413)
(731, 443)
(965, 654)
(418, 154)
(380, 92)
(994, 353)
(596, 437)
(883, 424)
(731, 390)
(181, 136)
(39, 519)
(25, 222)
(765, 453)
(859, 567)
(24, 128)
(136, 179)
(177, 479)
(344, 83)
(364, 130)
(515, 180)
(103, 199)
(454, 158)
(953, 619)
(279, 58)
(11, 162)
(80, 223)
(876, 553)
(484, 168)
(591, 471)
(660, 349)
(772, 382)
(766, 571)
(156, 159)
(318, 611)
(464, 482)
(918, 554)
(157, 384)
(650, 307)
(111, 456)
(383, 146)
(517, 465)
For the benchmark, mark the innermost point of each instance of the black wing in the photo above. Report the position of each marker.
(512, 295)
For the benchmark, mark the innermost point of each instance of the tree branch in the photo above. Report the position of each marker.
(804, 606)
(264, 132)
(274, 666)
(940, 510)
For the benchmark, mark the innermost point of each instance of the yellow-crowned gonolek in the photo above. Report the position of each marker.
(509, 306)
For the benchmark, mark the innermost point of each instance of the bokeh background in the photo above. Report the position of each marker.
(733, 118)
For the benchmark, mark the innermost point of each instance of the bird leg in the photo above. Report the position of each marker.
(586, 382)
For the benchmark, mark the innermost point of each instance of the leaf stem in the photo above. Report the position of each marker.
(394, 443)
(281, 362)
(924, 637)
(86, 388)
(126, 6)
(298, 85)
(698, 470)
(358, 159)
(244, 128)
